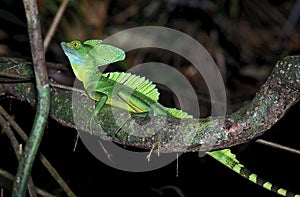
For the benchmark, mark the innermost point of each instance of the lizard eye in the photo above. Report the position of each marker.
(75, 45)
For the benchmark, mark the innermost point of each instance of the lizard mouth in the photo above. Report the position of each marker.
(66, 48)
(63, 45)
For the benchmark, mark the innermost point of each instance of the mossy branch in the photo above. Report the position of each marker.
(275, 97)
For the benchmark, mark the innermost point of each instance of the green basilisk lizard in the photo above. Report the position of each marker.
(137, 95)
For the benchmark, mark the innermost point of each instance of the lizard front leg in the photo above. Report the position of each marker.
(98, 107)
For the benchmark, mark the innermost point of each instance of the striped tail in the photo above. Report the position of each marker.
(229, 159)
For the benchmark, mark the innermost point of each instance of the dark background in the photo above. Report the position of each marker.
(245, 38)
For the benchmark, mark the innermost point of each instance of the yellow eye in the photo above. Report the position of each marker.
(75, 45)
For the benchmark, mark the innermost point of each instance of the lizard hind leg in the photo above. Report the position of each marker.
(144, 115)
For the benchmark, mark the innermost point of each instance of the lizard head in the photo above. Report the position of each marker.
(86, 57)
(78, 53)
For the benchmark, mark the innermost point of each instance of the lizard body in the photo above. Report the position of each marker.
(135, 94)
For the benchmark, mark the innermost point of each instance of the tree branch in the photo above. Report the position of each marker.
(276, 96)
(43, 99)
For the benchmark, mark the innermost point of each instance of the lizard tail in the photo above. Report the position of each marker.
(229, 159)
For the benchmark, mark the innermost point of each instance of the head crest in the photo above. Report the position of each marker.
(92, 42)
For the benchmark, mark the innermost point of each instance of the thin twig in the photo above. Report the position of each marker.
(56, 176)
(6, 129)
(10, 177)
(55, 23)
(43, 159)
(43, 99)
(292, 20)
(176, 189)
(6, 175)
(15, 145)
(31, 187)
(279, 146)
(64, 87)
(14, 76)
(56, 66)
(13, 123)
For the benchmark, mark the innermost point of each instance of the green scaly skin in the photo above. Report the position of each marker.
(135, 94)
(228, 159)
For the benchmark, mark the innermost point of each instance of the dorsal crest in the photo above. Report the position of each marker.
(135, 82)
